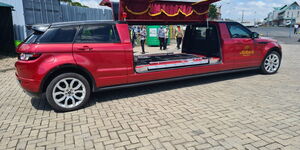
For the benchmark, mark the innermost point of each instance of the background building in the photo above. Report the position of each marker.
(298, 20)
(272, 19)
(29, 12)
(283, 16)
(288, 14)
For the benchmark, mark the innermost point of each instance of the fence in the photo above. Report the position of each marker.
(19, 32)
(41, 11)
(50, 11)
(71, 13)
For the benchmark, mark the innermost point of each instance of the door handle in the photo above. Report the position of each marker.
(84, 48)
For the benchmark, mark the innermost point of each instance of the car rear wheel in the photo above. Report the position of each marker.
(271, 63)
(68, 91)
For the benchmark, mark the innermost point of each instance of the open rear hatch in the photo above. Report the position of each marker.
(154, 12)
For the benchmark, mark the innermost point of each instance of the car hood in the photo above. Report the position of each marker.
(266, 39)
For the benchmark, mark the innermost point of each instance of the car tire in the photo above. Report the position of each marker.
(68, 92)
(271, 63)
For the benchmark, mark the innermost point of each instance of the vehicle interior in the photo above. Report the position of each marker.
(202, 40)
(201, 46)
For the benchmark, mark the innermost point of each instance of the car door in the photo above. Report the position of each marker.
(98, 48)
(245, 52)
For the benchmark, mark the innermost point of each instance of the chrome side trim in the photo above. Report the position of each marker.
(173, 79)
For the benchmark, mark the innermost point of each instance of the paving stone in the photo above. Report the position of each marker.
(234, 111)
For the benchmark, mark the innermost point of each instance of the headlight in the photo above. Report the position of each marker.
(29, 56)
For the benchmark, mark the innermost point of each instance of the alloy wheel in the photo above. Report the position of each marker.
(272, 63)
(69, 92)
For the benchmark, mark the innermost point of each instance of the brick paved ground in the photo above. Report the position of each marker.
(235, 111)
(7, 63)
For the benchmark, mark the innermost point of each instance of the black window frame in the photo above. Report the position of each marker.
(114, 29)
(76, 27)
(243, 27)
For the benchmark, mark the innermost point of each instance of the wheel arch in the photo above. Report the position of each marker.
(276, 49)
(268, 50)
(67, 68)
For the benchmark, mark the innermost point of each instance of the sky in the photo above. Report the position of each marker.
(232, 9)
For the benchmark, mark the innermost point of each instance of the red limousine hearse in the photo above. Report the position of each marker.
(66, 62)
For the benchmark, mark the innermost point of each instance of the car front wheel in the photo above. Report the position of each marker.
(271, 63)
(68, 91)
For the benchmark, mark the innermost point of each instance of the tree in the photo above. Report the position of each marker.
(78, 4)
(213, 12)
(70, 2)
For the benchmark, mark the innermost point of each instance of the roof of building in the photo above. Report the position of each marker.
(5, 5)
(285, 7)
(277, 8)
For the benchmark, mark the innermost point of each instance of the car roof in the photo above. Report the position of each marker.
(223, 21)
(44, 27)
(76, 23)
(87, 22)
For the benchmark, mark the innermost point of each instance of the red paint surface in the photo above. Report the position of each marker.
(112, 64)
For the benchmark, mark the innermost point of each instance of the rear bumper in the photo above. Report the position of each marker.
(33, 94)
(28, 75)
(30, 86)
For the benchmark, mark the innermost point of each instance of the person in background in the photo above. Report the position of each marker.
(296, 27)
(179, 36)
(166, 30)
(143, 35)
(132, 36)
(161, 37)
(138, 29)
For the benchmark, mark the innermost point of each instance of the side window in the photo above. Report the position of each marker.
(97, 34)
(200, 33)
(204, 33)
(58, 35)
(238, 31)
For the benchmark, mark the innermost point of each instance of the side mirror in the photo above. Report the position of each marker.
(255, 35)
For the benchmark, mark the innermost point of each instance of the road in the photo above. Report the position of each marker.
(284, 34)
(244, 111)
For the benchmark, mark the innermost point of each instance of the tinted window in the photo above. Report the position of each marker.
(97, 34)
(238, 31)
(58, 35)
(32, 38)
(203, 33)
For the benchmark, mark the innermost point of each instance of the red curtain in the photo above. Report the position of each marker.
(137, 7)
(151, 10)
(170, 9)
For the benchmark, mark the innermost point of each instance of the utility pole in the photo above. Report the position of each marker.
(242, 16)
(255, 18)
